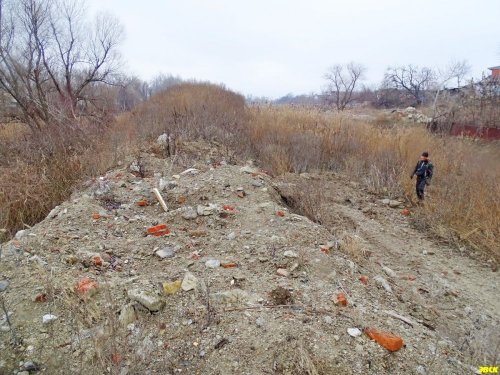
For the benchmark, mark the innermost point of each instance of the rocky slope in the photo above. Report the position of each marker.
(235, 282)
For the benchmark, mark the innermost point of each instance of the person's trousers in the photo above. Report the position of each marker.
(420, 186)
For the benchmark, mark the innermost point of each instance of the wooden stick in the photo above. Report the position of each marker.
(160, 199)
(259, 307)
(402, 318)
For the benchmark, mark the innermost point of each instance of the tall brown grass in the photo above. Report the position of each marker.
(463, 202)
(39, 171)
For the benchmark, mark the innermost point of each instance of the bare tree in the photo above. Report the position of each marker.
(342, 81)
(454, 70)
(51, 57)
(413, 80)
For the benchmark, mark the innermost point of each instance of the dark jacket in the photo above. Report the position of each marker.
(423, 169)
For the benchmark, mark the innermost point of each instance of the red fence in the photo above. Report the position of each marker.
(475, 132)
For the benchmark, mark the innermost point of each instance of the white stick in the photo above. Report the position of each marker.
(160, 199)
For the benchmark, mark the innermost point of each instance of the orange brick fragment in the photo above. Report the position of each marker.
(363, 279)
(385, 339)
(142, 203)
(116, 358)
(85, 285)
(96, 216)
(341, 300)
(158, 230)
(280, 213)
(229, 265)
(182, 199)
(41, 298)
(96, 259)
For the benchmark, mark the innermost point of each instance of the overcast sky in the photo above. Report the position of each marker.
(274, 47)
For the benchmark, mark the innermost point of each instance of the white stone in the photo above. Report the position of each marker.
(189, 282)
(191, 171)
(389, 272)
(354, 332)
(212, 263)
(166, 252)
(148, 299)
(290, 254)
(21, 234)
(282, 272)
(383, 283)
(189, 213)
(247, 169)
(127, 315)
(394, 204)
(48, 318)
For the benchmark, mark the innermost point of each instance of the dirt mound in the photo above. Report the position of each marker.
(231, 281)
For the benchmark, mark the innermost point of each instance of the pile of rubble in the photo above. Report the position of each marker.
(411, 114)
(158, 268)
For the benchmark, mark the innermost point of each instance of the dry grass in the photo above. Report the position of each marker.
(351, 245)
(463, 202)
(39, 171)
(463, 205)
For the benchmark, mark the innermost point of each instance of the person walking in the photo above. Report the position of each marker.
(423, 170)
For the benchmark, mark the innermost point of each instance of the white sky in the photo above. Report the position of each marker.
(274, 47)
